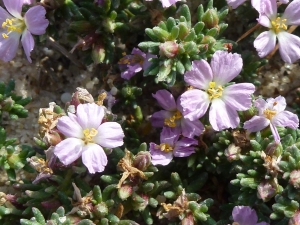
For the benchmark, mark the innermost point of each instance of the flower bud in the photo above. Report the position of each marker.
(232, 152)
(7, 104)
(295, 178)
(98, 53)
(168, 49)
(139, 201)
(209, 40)
(125, 191)
(142, 160)
(100, 210)
(210, 18)
(266, 190)
(53, 137)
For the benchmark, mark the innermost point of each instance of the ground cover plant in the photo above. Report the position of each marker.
(178, 131)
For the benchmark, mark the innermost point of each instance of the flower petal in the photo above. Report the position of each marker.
(69, 127)
(244, 215)
(110, 135)
(269, 8)
(69, 150)
(191, 128)
(265, 43)
(94, 158)
(35, 20)
(225, 66)
(168, 3)
(238, 96)
(292, 13)
(256, 4)
(256, 123)
(278, 104)
(222, 116)
(194, 104)
(183, 147)
(90, 115)
(200, 75)
(4, 15)
(286, 119)
(169, 136)
(158, 118)
(289, 46)
(264, 21)
(275, 133)
(160, 157)
(28, 43)
(14, 7)
(9, 46)
(165, 99)
(235, 3)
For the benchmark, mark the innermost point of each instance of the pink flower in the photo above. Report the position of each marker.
(209, 81)
(166, 3)
(289, 44)
(271, 112)
(255, 3)
(171, 146)
(15, 26)
(86, 135)
(244, 215)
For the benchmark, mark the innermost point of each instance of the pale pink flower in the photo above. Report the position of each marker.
(244, 215)
(255, 3)
(289, 44)
(86, 135)
(271, 112)
(208, 82)
(14, 25)
(166, 3)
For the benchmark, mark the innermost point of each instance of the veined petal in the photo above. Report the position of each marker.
(69, 127)
(35, 20)
(292, 13)
(137, 51)
(256, 123)
(264, 21)
(269, 8)
(89, 115)
(289, 46)
(169, 136)
(168, 3)
(225, 66)
(278, 104)
(14, 7)
(286, 119)
(238, 96)
(194, 104)
(191, 128)
(261, 105)
(110, 135)
(256, 4)
(94, 158)
(265, 43)
(275, 133)
(9, 46)
(165, 99)
(235, 3)
(222, 116)
(28, 43)
(69, 150)
(160, 157)
(200, 75)
(184, 148)
(244, 215)
(158, 118)
(4, 15)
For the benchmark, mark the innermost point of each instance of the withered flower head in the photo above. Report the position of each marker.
(271, 164)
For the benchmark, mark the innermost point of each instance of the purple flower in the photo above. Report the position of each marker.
(166, 3)
(289, 44)
(172, 117)
(131, 64)
(255, 3)
(244, 215)
(170, 146)
(99, 2)
(209, 81)
(271, 112)
(86, 135)
(15, 26)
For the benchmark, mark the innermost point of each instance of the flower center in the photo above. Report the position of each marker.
(278, 24)
(132, 59)
(89, 134)
(213, 91)
(165, 147)
(171, 122)
(269, 113)
(12, 25)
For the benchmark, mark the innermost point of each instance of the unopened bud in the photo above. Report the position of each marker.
(168, 49)
(53, 137)
(125, 191)
(232, 152)
(295, 220)
(7, 104)
(98, 53)
(295, 178)
(266, 190)
(210, 18)
(142, 160)
(100, 210)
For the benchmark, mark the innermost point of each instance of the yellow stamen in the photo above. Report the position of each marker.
(278, 24)
(165, 147)
(171, 122)
(132, 59)
(12, 25)
(213, 91)
(89, 134)
(269, 113)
